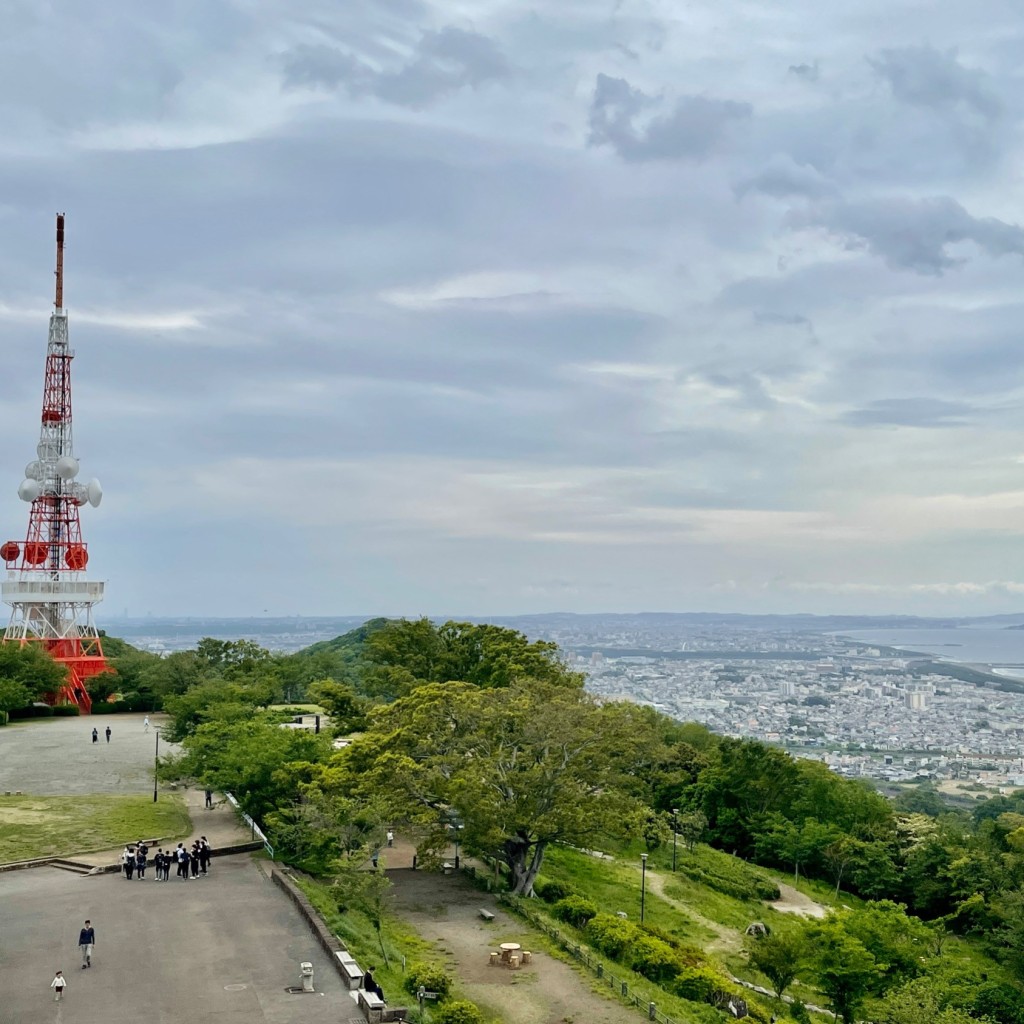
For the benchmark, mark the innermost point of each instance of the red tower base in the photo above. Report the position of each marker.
(83, 658)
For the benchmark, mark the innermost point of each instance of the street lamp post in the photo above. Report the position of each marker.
(675, 826)
(156, 761)
(643, 884)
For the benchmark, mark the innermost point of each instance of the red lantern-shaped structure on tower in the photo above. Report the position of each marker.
(50, 598)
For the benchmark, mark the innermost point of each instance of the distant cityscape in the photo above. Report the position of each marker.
(864, 710)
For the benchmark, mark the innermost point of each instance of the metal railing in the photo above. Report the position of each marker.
(257, 832)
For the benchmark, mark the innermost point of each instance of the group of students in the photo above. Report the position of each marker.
(191, 862)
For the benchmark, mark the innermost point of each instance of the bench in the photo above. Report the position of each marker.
(447, 868)
(486, 914)
(350, 971)
(371, 1006)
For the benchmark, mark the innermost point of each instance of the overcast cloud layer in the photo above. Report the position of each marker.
(489, 307)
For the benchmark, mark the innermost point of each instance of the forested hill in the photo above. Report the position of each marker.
(474, 728)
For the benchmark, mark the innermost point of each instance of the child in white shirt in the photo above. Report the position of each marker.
(58, 983)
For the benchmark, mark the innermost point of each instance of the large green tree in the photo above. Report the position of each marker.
(404, 654)
(518, 767)
(779, 957)
(844, 969)
(27, 673)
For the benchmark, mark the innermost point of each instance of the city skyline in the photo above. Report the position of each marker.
(403, 306)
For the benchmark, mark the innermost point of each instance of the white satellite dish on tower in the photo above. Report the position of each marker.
(35, 471)
(95, 492)
(29, 490)
(67, 467)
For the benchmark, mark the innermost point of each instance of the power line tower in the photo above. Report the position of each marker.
(51, 600)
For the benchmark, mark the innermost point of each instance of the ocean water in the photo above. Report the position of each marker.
(967, 646)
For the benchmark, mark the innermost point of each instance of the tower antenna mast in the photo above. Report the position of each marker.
(59, 273)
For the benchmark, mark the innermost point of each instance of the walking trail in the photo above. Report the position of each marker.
(445, 911)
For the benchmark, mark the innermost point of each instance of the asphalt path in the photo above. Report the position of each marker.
(56, 756)
(222, 949)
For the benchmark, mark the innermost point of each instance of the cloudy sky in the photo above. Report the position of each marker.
(490, 306)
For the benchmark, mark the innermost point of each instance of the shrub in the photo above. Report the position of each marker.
(65, 711)
(654, 959)
(32, 711)
(799, 1013)
(575, 910)
(742, 883)
(699, 984)
(104, 707)
(999, 1002)
(459, 1011)
(552, 891)
(612, 935)
(429, 976)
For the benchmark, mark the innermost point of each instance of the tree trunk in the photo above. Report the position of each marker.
(524, 859)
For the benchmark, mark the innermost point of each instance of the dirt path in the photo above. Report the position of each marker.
(444, 910)
(793, 901)
(729, 939)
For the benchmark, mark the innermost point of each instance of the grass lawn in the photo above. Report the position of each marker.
(56, 826)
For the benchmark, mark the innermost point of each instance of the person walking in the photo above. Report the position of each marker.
(145, 724)
(391, 838)
(108, 733)
(86, 940)
(209, 799)
(95, 739)
(58, 984)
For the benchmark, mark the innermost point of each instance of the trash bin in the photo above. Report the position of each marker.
(306, 968)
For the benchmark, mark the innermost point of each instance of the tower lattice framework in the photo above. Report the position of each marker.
(51, 600)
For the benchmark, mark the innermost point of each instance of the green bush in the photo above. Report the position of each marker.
(799, 1013)
(110, 708)
(697, 984)
(552, 891)
(575, 910)
(654, 959)
(65, 711)
(740, 882)
(612, 935)
(459, 1011)
(429, 976)
(32, 711)
(999, 1002)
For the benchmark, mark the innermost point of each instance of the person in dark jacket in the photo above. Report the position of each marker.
(86, 940)
(140, 861)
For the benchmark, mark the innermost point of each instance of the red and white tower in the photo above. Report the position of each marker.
(51, 600)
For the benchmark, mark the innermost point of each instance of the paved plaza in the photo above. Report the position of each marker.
(222, 949)
(56, 756)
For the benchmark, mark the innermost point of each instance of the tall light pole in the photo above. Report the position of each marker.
(675, 825)
(156, 760)
(643, 884)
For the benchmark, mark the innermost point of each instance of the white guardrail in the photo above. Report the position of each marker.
(257, 832)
